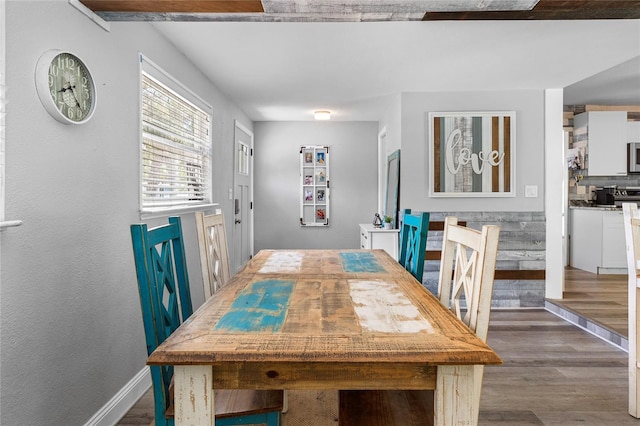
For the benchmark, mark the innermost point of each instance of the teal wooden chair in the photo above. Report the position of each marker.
(413, 242)
(165, 299)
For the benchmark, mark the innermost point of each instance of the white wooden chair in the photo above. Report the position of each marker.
(214, 256)
(632, 237)
(214, 260)
(472, 256)
(467, 269)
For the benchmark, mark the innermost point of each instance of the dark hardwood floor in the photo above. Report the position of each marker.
(554, 373)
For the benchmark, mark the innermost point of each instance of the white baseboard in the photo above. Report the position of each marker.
(614, 271)
(122, 402)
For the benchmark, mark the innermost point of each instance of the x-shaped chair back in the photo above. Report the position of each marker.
(467, 269)
(165, 299)
(214, 255)
(413, 242)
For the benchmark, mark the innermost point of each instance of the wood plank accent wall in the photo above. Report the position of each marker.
(520, 272)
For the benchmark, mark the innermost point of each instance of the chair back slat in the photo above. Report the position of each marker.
(413, 242)
(165, 297)
(214, 256)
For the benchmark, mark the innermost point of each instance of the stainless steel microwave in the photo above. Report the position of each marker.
(633, 157)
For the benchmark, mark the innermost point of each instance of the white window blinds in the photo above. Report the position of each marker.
(176, 148)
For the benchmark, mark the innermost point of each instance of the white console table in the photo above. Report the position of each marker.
(379, 238)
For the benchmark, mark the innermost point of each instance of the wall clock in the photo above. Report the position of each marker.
(65, 87)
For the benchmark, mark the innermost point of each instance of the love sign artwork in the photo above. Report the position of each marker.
(472, 154)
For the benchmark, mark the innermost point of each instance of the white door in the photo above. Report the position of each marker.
(243, 197)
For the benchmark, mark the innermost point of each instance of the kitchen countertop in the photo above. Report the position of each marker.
(594, 207)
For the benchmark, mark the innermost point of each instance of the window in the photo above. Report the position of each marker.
(243, 158)
(175, 143)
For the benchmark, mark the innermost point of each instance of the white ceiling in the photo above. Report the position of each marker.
(281, 71)
(619, 85)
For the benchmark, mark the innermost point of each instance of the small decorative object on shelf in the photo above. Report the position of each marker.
(314, 186)
(377, 221)
(387, 222)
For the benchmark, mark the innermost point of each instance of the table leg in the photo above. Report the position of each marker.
(455, 401)
(193, 395)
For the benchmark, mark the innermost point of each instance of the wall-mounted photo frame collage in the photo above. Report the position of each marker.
(314, 184)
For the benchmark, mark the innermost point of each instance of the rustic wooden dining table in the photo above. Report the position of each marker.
(323, 319)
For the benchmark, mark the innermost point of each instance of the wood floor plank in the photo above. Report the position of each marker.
(600, 297)
(553, 374)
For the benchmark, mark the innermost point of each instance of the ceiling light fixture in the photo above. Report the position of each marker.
(322, 115)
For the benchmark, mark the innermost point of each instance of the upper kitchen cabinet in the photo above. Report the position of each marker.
(633, 131)
(606, 136)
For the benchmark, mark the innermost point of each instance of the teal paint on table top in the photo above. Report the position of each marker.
(262, 306)
(360, 262)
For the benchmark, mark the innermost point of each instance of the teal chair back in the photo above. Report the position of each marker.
(165, 298)
(413, 242)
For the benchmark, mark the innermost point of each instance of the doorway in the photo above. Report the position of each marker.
(242, 197)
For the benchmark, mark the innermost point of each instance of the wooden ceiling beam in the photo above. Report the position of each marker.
(175, 6)
(544, 10)
(552, 10)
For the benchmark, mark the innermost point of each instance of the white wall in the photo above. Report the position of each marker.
(391, 120)
(72, 333)
(555, 198)
(353, 151)
(529, 151)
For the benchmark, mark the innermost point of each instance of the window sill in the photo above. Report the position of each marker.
(171, 211)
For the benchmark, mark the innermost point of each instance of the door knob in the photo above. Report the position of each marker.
(238, 221)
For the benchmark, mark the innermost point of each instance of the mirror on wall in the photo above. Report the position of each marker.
(393, 187)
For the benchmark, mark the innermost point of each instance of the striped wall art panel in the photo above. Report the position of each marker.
(472, 154)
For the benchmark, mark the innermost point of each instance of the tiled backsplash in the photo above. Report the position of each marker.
(629, 180)
(581, 193)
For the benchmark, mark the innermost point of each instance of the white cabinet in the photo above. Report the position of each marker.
(633, 131)
(606, 135)
(597, 241)
(614, 250)
(586, 239)
(379, 238)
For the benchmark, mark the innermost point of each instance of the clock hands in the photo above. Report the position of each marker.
(65, 96)
(73, 90)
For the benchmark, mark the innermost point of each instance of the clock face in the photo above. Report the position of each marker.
(65, 87)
